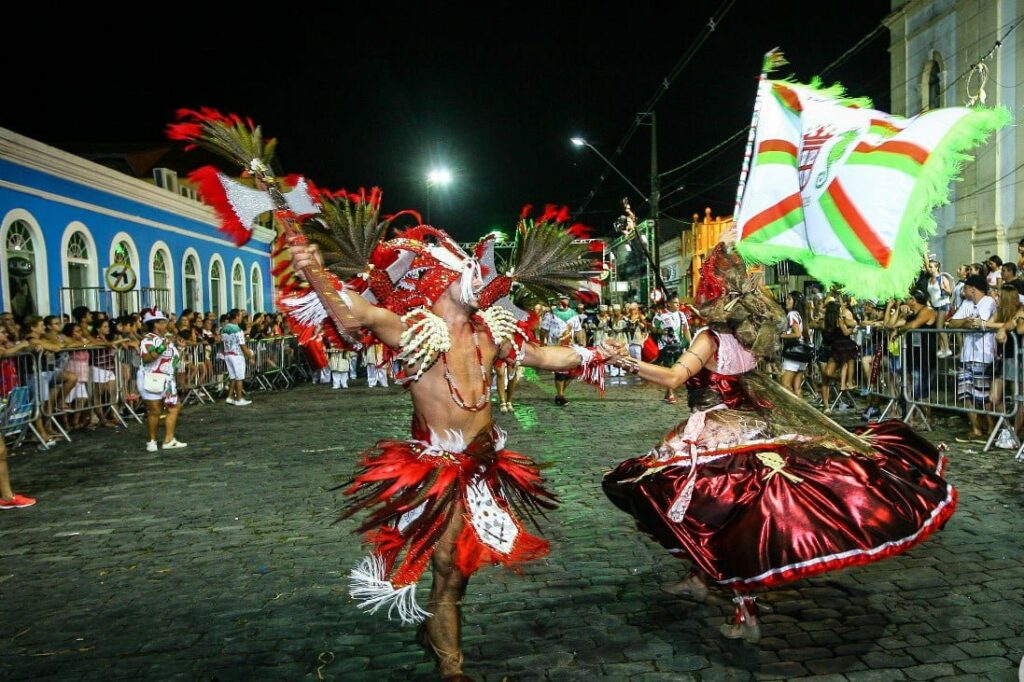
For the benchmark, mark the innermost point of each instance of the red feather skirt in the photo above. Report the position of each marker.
(411, 490)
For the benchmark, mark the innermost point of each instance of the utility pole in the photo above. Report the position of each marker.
(655, 197)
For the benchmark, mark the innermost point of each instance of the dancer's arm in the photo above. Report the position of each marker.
(690, 363)
(385, 325)
(554, 358)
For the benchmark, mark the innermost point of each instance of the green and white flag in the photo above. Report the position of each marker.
(848, 191)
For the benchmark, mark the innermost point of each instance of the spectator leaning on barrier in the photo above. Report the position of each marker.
(156, 379)
(235, 354)
(975, 378)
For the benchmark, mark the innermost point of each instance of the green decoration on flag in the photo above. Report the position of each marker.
(848, 191)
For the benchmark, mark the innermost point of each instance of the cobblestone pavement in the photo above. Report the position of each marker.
(220, 562)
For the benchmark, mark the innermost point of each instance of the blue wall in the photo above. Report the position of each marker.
(73, 202)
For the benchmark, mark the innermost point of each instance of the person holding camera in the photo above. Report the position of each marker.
(673, 332)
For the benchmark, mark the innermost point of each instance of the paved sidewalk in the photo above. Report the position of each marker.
(220, 562)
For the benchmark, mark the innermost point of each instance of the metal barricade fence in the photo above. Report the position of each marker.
(974, 380)
(270, 368)
(195, 372)
(128, 364)
(88, 388)
(20, 383)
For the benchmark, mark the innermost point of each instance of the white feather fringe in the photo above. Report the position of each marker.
(306, 310)
(373, 592)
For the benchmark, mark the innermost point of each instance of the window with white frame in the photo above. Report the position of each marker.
(256, 286)
(238, 287)
(22, 270)
(216, 284)
(191, 283)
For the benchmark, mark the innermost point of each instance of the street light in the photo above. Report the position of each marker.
(580, 142)
(437, 176)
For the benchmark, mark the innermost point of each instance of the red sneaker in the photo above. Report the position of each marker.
(17, 502)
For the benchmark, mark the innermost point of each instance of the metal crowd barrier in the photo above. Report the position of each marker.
(975, 379)
(88, 380)
(19, 397)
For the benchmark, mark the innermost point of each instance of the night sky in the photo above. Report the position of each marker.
(375, 94)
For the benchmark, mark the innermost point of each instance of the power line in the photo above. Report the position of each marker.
(663, 87)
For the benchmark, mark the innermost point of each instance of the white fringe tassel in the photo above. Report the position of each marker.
(305, 310)
(373, 592)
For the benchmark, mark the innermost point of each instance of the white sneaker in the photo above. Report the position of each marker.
(231, 401)
(243, 401)
(174, 444)
(151, 446)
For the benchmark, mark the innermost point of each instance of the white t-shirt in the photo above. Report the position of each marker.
(979, 347)
(676, 321)
(793, 320)
(557, 329)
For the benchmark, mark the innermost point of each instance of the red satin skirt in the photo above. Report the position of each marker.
(762, 515)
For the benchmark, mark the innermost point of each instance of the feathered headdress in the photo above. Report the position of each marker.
(732, 300)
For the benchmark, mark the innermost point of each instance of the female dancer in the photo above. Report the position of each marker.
(757, 488)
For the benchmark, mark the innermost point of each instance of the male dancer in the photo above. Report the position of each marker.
(452, 494)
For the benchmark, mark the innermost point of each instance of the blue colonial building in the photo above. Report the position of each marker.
(75, 232)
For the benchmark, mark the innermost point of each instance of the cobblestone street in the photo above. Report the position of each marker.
(221, 562)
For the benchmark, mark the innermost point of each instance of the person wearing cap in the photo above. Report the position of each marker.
(155, 379)
(562, 326)
(974, 380)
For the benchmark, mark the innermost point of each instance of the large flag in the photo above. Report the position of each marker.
(848, 191)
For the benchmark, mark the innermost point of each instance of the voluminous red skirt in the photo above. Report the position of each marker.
(761, 515)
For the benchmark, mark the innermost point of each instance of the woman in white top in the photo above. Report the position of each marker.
(156, 379)
(793, 370)
(940, 291)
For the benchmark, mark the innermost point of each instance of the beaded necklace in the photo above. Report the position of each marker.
(485, 396)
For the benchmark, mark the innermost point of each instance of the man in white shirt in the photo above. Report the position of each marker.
(236, 352)
(673, 336)
(975, 378)
(562, 327)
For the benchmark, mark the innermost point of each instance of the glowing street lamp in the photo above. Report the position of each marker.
(441, 177)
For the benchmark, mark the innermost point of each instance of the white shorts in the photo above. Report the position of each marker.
(171, 399)
(236, 367)
(102, 376)
(793, 366)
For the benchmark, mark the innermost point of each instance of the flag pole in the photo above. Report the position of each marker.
(773, 59)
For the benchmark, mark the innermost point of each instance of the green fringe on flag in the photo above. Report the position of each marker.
(943, 165)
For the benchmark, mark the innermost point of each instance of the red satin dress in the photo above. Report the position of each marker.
(758, 489)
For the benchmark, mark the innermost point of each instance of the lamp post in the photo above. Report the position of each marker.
(580, 142)
(649, 227)
(438, 176)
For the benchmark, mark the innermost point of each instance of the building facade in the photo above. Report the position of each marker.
(73, 232)
(933, 45)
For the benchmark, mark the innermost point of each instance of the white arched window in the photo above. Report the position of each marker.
(238, 286)
(22, 270)
(192, 296)
(256, 290)
(217, 302)
(79, 272)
